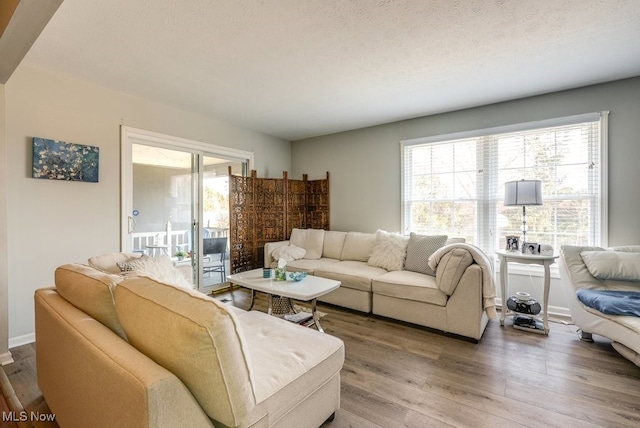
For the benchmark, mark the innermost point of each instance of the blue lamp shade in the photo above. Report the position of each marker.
(523, 192)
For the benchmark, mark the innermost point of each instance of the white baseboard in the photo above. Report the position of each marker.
(6, 358)
(22, 340)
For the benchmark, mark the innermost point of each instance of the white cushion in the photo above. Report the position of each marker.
(619, 265)
(333, 243)
(389, 250)
(289, 253)
(451, 267)
(160, 269)
(358, 246)
(196, 338)
(91, 291)
(309, 239)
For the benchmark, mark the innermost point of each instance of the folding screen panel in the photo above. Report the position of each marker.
(267, 209)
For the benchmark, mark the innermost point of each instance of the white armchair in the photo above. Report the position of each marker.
(613, 269)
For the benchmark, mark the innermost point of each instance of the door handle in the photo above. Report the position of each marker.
(131, 224)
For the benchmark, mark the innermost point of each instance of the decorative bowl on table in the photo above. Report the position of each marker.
(297, 276)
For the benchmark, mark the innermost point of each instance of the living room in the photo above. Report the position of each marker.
(44, 224)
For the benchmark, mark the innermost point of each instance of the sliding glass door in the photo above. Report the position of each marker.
(176, 203)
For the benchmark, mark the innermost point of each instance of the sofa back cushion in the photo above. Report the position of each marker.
(333, 243)
(358, 246)
(195, 337)
(419, 250)
(312, 240)
(91, 291)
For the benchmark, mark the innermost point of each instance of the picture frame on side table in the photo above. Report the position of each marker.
(512, 243)
(531, 248)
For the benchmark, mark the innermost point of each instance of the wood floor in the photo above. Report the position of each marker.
(397, 375)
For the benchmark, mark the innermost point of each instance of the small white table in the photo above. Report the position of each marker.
(507, 257)
(309, 289)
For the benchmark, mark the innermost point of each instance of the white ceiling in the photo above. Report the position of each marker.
(301, 68)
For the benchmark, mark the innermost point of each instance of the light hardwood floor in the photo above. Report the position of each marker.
(398, 375)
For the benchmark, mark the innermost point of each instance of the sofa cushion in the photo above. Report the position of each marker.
(451, 268)
(389, 250)
(333, 243)
(312, 240)
(195, 337)
(419, 249)
(618, 265)
(91, 291)
(409, 285)
(109, 262)
(288, 362)
(288, 253)
(351, 274)
(358, 246)
(309, 266)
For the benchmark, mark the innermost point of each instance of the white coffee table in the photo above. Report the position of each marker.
(309, 289)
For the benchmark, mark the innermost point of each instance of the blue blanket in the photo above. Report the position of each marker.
(611, 302)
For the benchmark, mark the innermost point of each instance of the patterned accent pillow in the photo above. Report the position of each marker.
(419, 250)
(131, 265)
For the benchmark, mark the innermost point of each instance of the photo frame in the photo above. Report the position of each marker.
(59, 160)
(531, 248)
(512, 243)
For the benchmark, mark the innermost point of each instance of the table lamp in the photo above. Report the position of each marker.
(523, 192)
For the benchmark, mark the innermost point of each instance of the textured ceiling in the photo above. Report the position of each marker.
(302, 68)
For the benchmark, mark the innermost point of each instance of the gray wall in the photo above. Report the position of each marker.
(364, 165)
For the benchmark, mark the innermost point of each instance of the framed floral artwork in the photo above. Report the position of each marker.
(58, 160)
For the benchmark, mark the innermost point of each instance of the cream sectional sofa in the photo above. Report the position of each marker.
(136, 352)
(605, 269)
(456, 297)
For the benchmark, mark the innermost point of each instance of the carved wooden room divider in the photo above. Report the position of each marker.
(265, 210)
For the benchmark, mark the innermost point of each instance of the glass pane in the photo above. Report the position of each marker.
(162, 202)
(215, 220)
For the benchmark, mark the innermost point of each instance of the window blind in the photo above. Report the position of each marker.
(454, 184)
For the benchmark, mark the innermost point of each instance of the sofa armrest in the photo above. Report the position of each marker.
(91, 377)
(269, 247)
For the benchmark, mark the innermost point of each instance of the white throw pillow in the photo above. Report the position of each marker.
(618, 265)
(312, 240)
(160, 269)
(288, 253)
(389, 251)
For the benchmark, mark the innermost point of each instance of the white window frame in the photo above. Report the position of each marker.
(602, 117)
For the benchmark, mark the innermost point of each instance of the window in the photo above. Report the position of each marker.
(454, 184)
